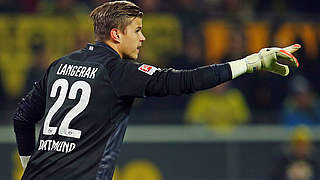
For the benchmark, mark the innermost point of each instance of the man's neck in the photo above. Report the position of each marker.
(114, 47)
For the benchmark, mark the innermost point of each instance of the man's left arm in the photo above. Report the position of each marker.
(29, 111)
(176, 82)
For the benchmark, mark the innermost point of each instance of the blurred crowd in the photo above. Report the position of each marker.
(298, 159)
(216, 7)
(262, 98)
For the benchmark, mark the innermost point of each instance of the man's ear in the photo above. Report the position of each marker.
(115, 35)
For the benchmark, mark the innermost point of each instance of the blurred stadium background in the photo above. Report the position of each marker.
(257, 127)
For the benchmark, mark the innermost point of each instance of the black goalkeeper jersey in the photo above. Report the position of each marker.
(88, 98)
(84, 100)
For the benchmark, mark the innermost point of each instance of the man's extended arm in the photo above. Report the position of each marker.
(177, 82)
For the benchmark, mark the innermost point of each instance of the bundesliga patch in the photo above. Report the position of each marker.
(147, 69)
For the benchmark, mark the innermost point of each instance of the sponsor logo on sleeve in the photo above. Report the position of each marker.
(148, 69)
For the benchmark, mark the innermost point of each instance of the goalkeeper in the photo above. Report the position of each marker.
(85, 97)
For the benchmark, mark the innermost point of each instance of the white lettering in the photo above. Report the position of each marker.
(41, 145)
(55, 145)
(82, 71)
(65, 147)
(87, 74)
(77, 71)
(93, 73)
(59, 69)
(72, 146)
(73, 70)
(44, 145)
(58, 146)
(49, 143)
(63, 71)
(68, 70)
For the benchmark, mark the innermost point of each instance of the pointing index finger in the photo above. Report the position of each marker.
(292, 48)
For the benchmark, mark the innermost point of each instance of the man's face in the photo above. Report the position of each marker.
(131, 39)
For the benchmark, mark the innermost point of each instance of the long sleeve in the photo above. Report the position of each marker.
(29, 111)
(176, 82)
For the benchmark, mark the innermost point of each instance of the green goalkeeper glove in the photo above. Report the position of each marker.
(267, 59)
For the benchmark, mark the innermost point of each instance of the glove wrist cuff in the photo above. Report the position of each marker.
(253, 63)
(238, 67)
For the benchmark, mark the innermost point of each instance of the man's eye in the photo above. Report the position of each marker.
(138, 29)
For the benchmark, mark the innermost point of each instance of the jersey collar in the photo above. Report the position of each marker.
(99, 43)
(103, 45)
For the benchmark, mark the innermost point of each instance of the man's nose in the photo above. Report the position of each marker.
(142, 38)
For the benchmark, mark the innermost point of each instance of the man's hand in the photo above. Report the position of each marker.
(267, 59)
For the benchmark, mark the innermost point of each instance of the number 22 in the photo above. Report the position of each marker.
(77, 109)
